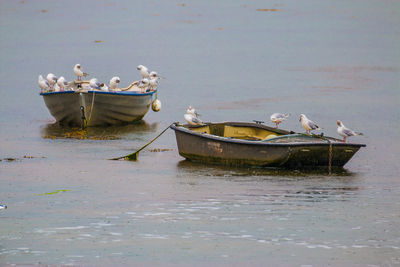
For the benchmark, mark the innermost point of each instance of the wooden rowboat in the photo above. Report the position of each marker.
(83, 107)
(252, 144)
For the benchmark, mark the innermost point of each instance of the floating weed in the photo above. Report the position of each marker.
(19, 159)
(98, 41)
(32, 157)
(55, 192)
(183, 4)
(81, 135)
(160, 149)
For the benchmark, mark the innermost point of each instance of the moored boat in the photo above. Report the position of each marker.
(84, 107)
(253, 144)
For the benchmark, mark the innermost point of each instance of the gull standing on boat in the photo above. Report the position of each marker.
(95, 84)
(278, 118)
(191, 110)
(3, 207)
(143, 84)
(345, 132)
(144, 71)
(61, 83)
(154, 80)
(191, 117)
(52, 79)
(43, 84)
(308, 124)
(78, 72)
(114, 83)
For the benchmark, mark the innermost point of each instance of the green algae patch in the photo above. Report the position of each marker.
(55, 192)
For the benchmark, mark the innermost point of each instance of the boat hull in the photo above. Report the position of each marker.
(99, 108)
(214, 149)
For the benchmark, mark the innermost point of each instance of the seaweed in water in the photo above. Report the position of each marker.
(81, 135)
(55, 192)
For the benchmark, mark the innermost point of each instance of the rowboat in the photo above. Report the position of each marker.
(82, 106)
(255, 144)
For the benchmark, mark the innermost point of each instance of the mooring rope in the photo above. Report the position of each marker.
(330, 156)
(91, 109)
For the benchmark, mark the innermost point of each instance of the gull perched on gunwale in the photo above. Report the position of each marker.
(191, 117)
(52, 79)
(43, 84)
(95, 84)
(345, 132)
(278, 118)
(114, 83)
(308, 124)
(144, 71)
(143, 84)
(78, 72)
(3, 207)
(61, 83)
(191, 110)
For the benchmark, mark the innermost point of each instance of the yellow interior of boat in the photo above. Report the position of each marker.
(238, 132)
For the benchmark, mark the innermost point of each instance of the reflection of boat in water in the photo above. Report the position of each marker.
(194, 168)
(110, 132)
(83, 107)
(250, 144)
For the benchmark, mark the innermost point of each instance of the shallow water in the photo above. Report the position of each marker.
(68, 204)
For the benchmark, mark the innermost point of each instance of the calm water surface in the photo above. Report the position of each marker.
(232, 60)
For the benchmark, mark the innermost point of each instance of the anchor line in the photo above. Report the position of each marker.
(91, 108)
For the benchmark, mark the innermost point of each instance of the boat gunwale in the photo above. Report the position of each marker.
(181, 128)
(120, 93)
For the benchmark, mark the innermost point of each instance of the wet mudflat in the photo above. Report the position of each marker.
(69, 205)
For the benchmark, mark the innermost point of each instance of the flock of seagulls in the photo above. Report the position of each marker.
(191, 117)
(149, 82)
(150, 79)
(309, 125)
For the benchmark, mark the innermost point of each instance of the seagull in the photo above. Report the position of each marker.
(154, 80)
(192, 111)
(191, 117)
(114, 83)
(62, 83)
(78, 72)
(95, 84)
(143, 84)
(278, 118)
(3, 207)
(143, 71)
(43, 84)
(52, 79)
(153, 74)
(345, 132)
(307, 124)
(153, 83)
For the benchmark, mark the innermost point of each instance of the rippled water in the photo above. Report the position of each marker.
(233, 61)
